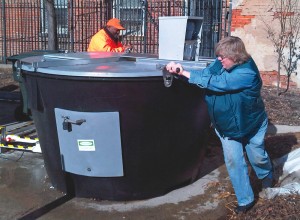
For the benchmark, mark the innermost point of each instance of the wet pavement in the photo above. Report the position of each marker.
(25, 188)
(26, 192)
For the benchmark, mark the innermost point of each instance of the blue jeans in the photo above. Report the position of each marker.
(236, 164)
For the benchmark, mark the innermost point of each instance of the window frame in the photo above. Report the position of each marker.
(135, 22)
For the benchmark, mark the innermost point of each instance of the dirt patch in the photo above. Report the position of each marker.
(283, 109)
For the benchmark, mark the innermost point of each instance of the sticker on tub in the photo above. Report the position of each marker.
(86, 145)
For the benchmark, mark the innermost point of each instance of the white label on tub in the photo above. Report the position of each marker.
(86, 145)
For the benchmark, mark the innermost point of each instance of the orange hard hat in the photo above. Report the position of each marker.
(115, 22)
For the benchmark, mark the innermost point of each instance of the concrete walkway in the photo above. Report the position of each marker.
(282, 129)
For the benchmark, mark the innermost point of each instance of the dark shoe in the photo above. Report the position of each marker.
(267, 182)
(244, 208)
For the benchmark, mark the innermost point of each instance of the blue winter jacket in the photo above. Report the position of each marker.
(233, 98)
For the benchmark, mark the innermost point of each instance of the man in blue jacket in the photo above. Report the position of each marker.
(237, 112)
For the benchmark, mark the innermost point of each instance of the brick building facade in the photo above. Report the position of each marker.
(248, 17)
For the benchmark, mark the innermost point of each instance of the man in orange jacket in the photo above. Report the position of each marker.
(107, 39)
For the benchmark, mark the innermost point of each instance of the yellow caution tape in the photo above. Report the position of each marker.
(18, 137)
(18, 147)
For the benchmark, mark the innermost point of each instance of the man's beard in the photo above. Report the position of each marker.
(114, 37)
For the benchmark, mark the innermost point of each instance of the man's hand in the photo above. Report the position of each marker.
(128, 48)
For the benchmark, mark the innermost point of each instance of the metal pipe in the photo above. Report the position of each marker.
(145, 8)
(186, 8)
(72, 25)
(230, 17)
(192, 8)
(4, 31)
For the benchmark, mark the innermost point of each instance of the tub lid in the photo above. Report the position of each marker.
(101, 64)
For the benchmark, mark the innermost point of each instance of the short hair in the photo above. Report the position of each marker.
(232, 48)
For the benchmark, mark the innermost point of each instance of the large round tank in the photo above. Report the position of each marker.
(110, 129)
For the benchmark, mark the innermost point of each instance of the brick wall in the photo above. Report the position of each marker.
(239, 20)
(269, 78)
(243, 16)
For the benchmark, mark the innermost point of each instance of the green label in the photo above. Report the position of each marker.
(86, 145)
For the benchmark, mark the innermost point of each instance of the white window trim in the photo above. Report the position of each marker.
(60, 30)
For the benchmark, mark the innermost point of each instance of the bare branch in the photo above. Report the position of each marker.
(285, 38)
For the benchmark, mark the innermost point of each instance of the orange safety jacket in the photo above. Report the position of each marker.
(101, 41)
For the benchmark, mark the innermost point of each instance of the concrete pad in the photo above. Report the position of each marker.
(282, 129)
(5, 66)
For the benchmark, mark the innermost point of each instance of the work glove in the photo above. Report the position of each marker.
(215, 67)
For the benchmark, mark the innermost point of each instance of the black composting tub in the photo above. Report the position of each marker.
(110, 129)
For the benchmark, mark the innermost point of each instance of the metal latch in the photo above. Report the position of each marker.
(67, 123)
(167, 76)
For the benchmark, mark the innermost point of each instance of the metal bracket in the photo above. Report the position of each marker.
(67, 123)
(167, 76)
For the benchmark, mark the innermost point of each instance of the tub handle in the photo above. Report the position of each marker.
(67, 123)
(167, 76)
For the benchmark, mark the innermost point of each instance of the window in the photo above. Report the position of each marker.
(61, 10)
(130, 13)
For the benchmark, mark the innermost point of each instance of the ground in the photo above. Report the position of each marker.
(282, 110)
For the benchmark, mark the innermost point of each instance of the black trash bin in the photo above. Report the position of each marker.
(110, 129)
(22, 112)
